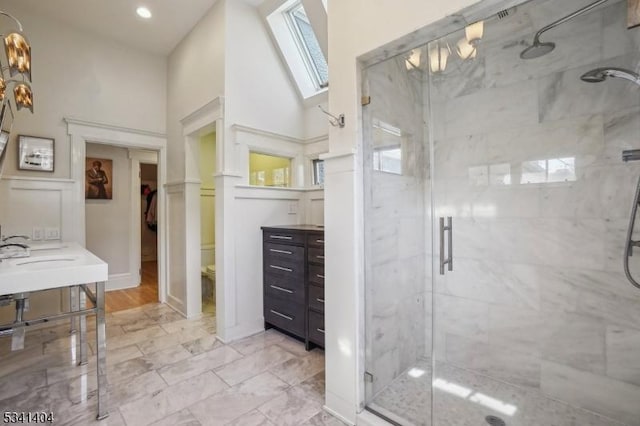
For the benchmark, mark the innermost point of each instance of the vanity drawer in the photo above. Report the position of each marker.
(316, 298)
(316, 274)
(315, 240)
(316, 255)
(284, 314)
(284, 269)
(284, 236)
(284, 252)
(275, 286)
(316, 328)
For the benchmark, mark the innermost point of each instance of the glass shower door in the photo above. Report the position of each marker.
(397, 246)
(535, 323)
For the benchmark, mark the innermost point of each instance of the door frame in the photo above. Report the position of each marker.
(82, 132)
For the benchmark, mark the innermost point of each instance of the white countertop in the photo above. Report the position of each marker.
(51, 265)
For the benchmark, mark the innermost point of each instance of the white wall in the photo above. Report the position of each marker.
(196, 76)
(84, 76)
(107, 221)
(258, 90)
(355, 28)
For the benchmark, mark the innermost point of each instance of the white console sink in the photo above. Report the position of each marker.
(59, 265)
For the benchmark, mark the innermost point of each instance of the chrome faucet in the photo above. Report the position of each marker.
(11, 237)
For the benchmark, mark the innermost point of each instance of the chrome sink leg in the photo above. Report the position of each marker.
(101, 352)
(73, 305)
(17, 338)
(82, 303)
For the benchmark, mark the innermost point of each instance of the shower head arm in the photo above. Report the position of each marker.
(536, 38)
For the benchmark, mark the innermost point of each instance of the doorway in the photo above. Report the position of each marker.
(207, 148)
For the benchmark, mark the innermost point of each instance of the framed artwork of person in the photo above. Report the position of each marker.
(98, 179)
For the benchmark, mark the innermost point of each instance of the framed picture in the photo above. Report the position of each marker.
(35, 153)
(98, 179)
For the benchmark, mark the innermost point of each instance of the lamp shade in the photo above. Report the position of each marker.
(438, 56)
(413, 61)
(18, 53)
(474, 32)
(24, 97)
(465, 50)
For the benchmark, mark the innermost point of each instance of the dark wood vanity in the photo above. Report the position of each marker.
(293, 281)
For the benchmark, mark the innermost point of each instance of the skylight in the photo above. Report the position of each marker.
(299, 29)
(309, 46)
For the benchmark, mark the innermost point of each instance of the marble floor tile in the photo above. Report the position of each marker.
(252, 418)
(166, 357)
(135, 337)
(167, 379)
(323, 419)
(203, 344)
(296, 370)
(22, 381)
(238, 400)
(198, 364)
(252, 365)
(164, 341)
(291, 408)
(181, 418)
(185, 324)
(159, 405)
(258, 342)
(129, 390)
(128, 369)
(139, 324)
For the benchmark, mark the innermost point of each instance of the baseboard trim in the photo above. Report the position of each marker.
(176, 304)
(120, 282)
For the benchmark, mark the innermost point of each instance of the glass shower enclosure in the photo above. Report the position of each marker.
(496, 211)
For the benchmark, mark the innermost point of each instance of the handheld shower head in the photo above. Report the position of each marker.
(599, 75)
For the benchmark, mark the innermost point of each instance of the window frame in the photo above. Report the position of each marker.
(303, 48)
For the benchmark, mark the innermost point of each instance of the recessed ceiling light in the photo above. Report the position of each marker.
(143, 12)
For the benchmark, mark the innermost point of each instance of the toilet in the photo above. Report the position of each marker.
(208, 274)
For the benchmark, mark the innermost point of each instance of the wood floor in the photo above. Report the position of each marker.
(146, 292)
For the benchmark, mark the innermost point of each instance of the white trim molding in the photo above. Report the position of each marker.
(82, 132)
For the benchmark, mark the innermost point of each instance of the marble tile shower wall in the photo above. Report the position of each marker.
(396, 227)
(538, 297)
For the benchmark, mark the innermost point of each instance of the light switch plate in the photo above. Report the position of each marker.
(37, 233)
(51, 233)
(293, 207)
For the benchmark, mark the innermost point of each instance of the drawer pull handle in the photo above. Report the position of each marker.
(280, 237)
(281, 289)
(281, 268)
(321, 330)
(320, 257)
(320, 300)
(280, 251)
(320, 276)
(287, 317)
(320, 241)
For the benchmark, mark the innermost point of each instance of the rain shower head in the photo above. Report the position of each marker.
(537, 49)
(599, 75)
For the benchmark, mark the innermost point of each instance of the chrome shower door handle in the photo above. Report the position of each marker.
(450, 253)
(449, 260)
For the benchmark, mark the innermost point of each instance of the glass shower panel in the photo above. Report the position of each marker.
(397, 244)
(536, 323)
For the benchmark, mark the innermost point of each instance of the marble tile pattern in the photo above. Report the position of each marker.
(527, 160)
(395, 229)
(178, 374)
(464, 398)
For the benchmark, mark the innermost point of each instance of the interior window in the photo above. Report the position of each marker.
(269, 170)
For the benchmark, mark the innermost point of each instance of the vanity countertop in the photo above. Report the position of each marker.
(319, 228)
(51, 266)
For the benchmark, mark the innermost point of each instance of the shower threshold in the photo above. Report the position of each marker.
(465, 398)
